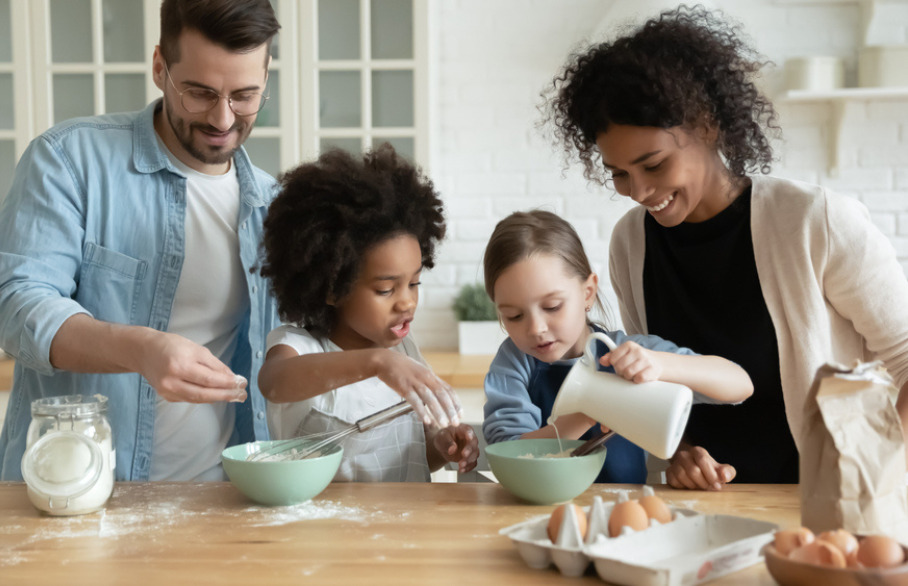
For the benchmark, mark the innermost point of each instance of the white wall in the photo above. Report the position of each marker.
(493, 57)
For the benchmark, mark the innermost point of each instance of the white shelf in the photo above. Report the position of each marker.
(839, 99)
(852, 93)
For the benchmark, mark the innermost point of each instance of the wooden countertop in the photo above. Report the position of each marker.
(6, 373)
(462, 371)
(396, 534)
(458, 370)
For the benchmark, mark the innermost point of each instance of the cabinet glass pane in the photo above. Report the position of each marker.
(392, 98)
(7, 166)
(402, 144)
(351, 145)
(124, 92)
(70, 31)
(265, 153)
(124, 31)
(275, 46)
(270, 115)
(6, 35)
(74, 95)
(339, 99)
(338, 29)
(7, 116)
(392, 29)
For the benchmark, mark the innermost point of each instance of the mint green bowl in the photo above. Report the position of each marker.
(543, 481)
(288, 482)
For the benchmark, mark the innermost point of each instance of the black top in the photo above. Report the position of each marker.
(702, 291)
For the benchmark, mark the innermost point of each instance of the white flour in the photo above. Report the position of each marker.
(151, 517)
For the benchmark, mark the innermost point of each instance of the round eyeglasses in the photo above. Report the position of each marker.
(198, 100)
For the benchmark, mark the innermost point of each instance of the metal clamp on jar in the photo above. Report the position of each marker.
(69, 459)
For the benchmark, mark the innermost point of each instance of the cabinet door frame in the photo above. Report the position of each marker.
(310, 67)
(298, 131)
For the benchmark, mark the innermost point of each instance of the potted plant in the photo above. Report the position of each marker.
(478, 329)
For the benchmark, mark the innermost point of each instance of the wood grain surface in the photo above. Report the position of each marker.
(400, 534)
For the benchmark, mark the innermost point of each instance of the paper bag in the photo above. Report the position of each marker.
(852, 460)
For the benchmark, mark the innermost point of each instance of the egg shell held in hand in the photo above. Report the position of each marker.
(557, 517)
(879, 551)
(627, 514)
(656, 509)
(789, 540)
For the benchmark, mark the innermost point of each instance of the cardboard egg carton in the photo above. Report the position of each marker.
(691, 549)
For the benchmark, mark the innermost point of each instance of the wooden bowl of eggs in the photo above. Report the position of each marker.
(835, 558)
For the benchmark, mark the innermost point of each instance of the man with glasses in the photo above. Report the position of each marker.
(128, 247)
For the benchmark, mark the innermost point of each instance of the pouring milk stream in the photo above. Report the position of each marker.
(652, 415)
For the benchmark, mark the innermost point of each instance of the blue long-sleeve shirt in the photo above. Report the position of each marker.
(93, 224)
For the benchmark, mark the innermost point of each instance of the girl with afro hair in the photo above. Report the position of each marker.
(345, 243)
(776, 275)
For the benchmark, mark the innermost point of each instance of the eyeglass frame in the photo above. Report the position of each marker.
(214, 105)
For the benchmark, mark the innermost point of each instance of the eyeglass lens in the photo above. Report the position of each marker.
(197, 100)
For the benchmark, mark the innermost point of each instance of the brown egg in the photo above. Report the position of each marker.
(554, 525)
(845, 541)
(656, 509)
(880, 551)
(627, 514)
(819, 553)
(789, 540)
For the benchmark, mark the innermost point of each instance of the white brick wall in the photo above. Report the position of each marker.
(493, 57)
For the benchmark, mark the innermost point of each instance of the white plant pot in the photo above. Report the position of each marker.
(479, 337)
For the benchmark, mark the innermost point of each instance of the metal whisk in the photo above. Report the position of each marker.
(311, 445)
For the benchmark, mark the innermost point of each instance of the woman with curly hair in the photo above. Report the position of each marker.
(776, 275)
(345, 243)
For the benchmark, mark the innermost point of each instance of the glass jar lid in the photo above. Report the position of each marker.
(70, 405)
(62, 464)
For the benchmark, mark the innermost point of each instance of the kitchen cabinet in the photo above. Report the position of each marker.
(345, 73)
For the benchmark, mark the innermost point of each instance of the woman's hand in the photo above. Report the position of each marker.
(458, 444)
(433, 400)
(692, 467)
(634, 362)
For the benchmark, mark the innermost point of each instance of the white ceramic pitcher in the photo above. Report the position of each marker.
(652, 415)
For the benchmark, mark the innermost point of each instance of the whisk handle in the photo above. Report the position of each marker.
(383, 416)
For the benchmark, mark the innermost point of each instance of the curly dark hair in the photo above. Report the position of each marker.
(687, 67)
(328, 214)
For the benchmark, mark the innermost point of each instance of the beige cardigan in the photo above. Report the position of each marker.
(830, 279)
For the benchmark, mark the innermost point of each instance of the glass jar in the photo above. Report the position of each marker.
(69, 459)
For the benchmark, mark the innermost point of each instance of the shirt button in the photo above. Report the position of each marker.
(255, 288)
(244, 225)
(260, 415)
(258, 354)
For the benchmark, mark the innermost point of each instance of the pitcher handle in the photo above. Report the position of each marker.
(589, 357)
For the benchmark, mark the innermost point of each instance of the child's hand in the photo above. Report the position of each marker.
(692, 467)
(432, 399)
(633, 362)
(458, 444)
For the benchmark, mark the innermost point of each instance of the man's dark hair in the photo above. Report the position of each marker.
(237, 25)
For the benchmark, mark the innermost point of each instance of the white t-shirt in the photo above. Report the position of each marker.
(392, 452)
(209, 303)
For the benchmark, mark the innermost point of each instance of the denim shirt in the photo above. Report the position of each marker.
(94, 224)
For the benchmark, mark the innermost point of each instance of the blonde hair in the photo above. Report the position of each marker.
(524, 234)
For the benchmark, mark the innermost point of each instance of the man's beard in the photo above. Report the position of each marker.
(183, 134)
